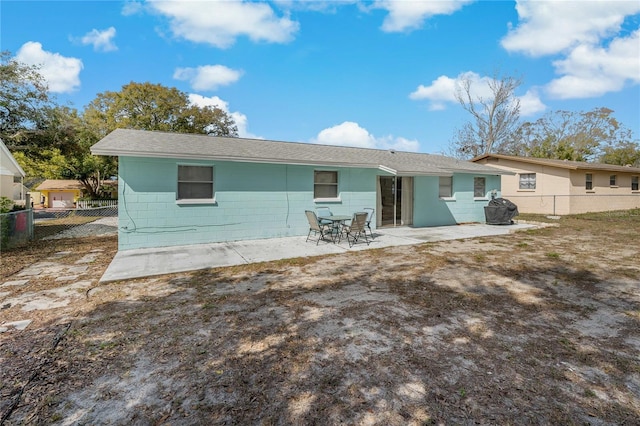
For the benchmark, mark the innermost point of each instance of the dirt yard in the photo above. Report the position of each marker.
(538, 327)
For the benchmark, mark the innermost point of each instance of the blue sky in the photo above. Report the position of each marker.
(378, 74)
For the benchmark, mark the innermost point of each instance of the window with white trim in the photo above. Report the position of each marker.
(527, 181)
(325, 184)
(445, 187)
(195, 182)
(588, 181)
(634, 183)
(479, 187)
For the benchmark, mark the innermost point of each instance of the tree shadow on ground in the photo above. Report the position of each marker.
(330, 342)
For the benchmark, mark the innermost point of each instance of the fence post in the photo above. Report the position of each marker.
(554, 205)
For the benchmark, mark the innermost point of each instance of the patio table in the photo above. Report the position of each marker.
(336, 220)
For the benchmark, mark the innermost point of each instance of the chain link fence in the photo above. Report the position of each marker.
(574, 204)
(16, 228)
(75, 223)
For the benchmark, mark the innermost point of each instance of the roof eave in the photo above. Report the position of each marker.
(12, 160)
(194, 156)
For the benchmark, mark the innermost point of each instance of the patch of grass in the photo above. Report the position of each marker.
(480, 257)
(633, 314)
(552, 255)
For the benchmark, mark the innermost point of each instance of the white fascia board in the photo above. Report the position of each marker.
(13, 165)
(388, 169)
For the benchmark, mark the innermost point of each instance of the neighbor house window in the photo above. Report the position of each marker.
(634, 183)
(588, 181)
(446, 187)
(195, 182)
(612, 180)
(325, 184)
(479, 187)
(527, 181)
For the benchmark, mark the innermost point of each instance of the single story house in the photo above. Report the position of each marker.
(11, 175)
(561, 187)
(177, 189)
(59, 193)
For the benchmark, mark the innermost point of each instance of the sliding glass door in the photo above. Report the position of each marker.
(395, 201)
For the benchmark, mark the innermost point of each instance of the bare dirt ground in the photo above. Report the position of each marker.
(538, 327)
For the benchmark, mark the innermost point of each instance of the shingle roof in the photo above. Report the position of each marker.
(563, 164)
(140, 143)
(59, 184)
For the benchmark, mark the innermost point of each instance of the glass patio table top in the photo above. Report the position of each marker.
(336, 218)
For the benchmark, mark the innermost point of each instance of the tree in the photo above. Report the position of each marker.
(622, 154)
(61, 150)
(494, 118)
(576, 136)
(24, 100)
(147, 106)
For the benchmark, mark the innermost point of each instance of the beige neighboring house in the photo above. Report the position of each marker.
(561, 187)
(10, 172)
(59, 193)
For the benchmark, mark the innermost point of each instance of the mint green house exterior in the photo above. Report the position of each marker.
(180, 189)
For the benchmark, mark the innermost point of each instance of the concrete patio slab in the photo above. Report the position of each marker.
(140, 263)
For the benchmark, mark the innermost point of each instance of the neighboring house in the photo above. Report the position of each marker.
(59, 193)
(177, 189)
(11, 175)
(560, 187)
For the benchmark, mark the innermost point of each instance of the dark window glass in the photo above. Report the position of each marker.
(195, 182)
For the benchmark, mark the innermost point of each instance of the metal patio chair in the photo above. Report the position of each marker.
(356, 229)
(320, 229)
(324, 211)
(367, 222)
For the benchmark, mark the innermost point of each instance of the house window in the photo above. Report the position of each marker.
(588, 181)
(446, 187)
(527, 181)
(612, 180)
(479, 185)
(325, 184)
(634, 183)
(195, 182)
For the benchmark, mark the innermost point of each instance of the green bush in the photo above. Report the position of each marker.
(6, 205)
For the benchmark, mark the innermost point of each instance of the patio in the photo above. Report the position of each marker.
(158, 261)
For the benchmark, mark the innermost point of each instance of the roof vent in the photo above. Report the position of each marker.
(393, 151)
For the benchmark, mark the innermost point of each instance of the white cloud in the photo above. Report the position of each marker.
(410, 15)
(62, 74)
(530, 104)
(351, 134)
(239, 118)
(207, 77)
(550, 27)
(132, 8)
(219, 23)
(591, 71)
(442, 90)
(101, 40)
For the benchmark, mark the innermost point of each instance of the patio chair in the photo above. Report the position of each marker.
(322, 230)
(324, 211)
(356, 229)
(367, 222)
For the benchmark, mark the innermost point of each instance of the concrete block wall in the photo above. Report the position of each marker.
(252, 201)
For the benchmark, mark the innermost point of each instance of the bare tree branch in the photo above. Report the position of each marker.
(494, 119)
